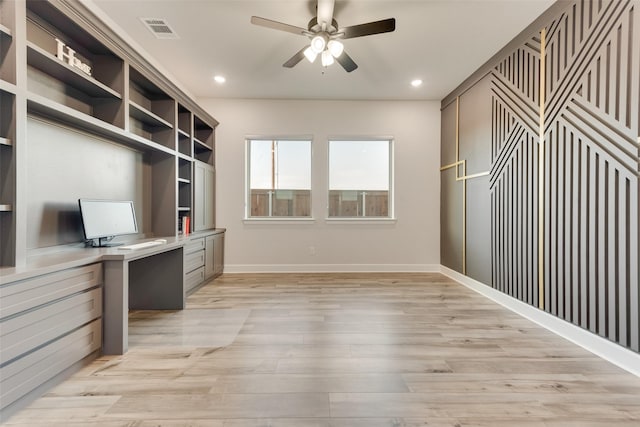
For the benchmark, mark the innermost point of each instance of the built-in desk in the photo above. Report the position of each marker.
(145, 279)
(66, 303)
(153, 278)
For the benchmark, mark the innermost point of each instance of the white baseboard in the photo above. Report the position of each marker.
(331, 268)
(608, 350)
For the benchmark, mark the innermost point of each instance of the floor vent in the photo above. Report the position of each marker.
(159, 28)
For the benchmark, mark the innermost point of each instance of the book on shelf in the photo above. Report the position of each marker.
(185, 226)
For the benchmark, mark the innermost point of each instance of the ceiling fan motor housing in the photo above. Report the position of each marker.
(315, 27)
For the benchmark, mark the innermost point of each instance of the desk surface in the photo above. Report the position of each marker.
(74, 255)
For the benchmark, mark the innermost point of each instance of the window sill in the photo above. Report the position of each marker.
(361, 220)
(279, 220)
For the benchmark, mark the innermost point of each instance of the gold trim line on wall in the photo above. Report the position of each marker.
(464, 177)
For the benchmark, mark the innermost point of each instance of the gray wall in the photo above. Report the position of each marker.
(586, 217)
(65, 165)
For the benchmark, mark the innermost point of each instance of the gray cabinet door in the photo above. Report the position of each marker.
(204, 197)
(218, 254)
(209, 256)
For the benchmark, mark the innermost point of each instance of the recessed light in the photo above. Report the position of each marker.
(219, 79)
(416, 83)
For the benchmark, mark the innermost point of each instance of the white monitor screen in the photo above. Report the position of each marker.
(106, 218)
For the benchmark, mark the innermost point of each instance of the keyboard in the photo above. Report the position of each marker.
(142, 245)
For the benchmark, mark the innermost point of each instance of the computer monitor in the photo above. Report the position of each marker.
(102, 220)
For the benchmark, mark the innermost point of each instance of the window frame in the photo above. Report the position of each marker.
(391, 217)
(248, 219)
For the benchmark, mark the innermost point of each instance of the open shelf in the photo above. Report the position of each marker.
(184, 169)
(5, 31)
(43, 106)
(201, 145)
(7, 55)
(7, 112)
(51, 65)
(147, 117)
(152, 112)
(203, 141)
(184, 121)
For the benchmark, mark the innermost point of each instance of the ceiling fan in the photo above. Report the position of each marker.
(325, 35)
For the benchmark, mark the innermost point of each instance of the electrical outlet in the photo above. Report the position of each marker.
(312, 250)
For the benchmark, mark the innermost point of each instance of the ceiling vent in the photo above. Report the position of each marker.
(159, 28)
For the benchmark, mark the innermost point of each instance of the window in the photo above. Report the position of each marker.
(279, 178)
(360, 178)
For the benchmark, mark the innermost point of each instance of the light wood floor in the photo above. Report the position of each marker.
(341, 351)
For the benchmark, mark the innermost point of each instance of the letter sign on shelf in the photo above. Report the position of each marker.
(70, 57)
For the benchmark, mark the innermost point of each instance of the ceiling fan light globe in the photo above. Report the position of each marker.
(310, 54)
(318, 43)
(335, 47)
(327, 58)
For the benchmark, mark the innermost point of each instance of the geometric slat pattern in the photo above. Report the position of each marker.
(591, 169)
(515, 92)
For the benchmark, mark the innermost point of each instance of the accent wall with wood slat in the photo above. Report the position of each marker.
(559, 121)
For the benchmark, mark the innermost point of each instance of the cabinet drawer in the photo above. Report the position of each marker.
(26, 373)
(193, 261)
(194, 245)
(23, 333)
(193, 279)
(30, 293)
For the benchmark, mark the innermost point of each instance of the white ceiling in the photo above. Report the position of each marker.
(439, 41)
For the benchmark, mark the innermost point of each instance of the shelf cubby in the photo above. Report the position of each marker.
(151, 110)
(96, 92)
(203, 141)
(7, 114)
(184, 195)
(184, 169)
(185, 189)
(184, 144)
(7, 55)
(70, 76)
(7, 41)
(202, 152)
(184, 120)
(184, 131)
(5, 31)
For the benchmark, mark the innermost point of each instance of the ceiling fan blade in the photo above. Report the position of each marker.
(346, 62)
(377, 27)
(275, 25)
(325, 11)
(293, 61)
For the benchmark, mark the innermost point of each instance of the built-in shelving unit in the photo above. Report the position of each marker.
(7, 132)
(77, 75)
